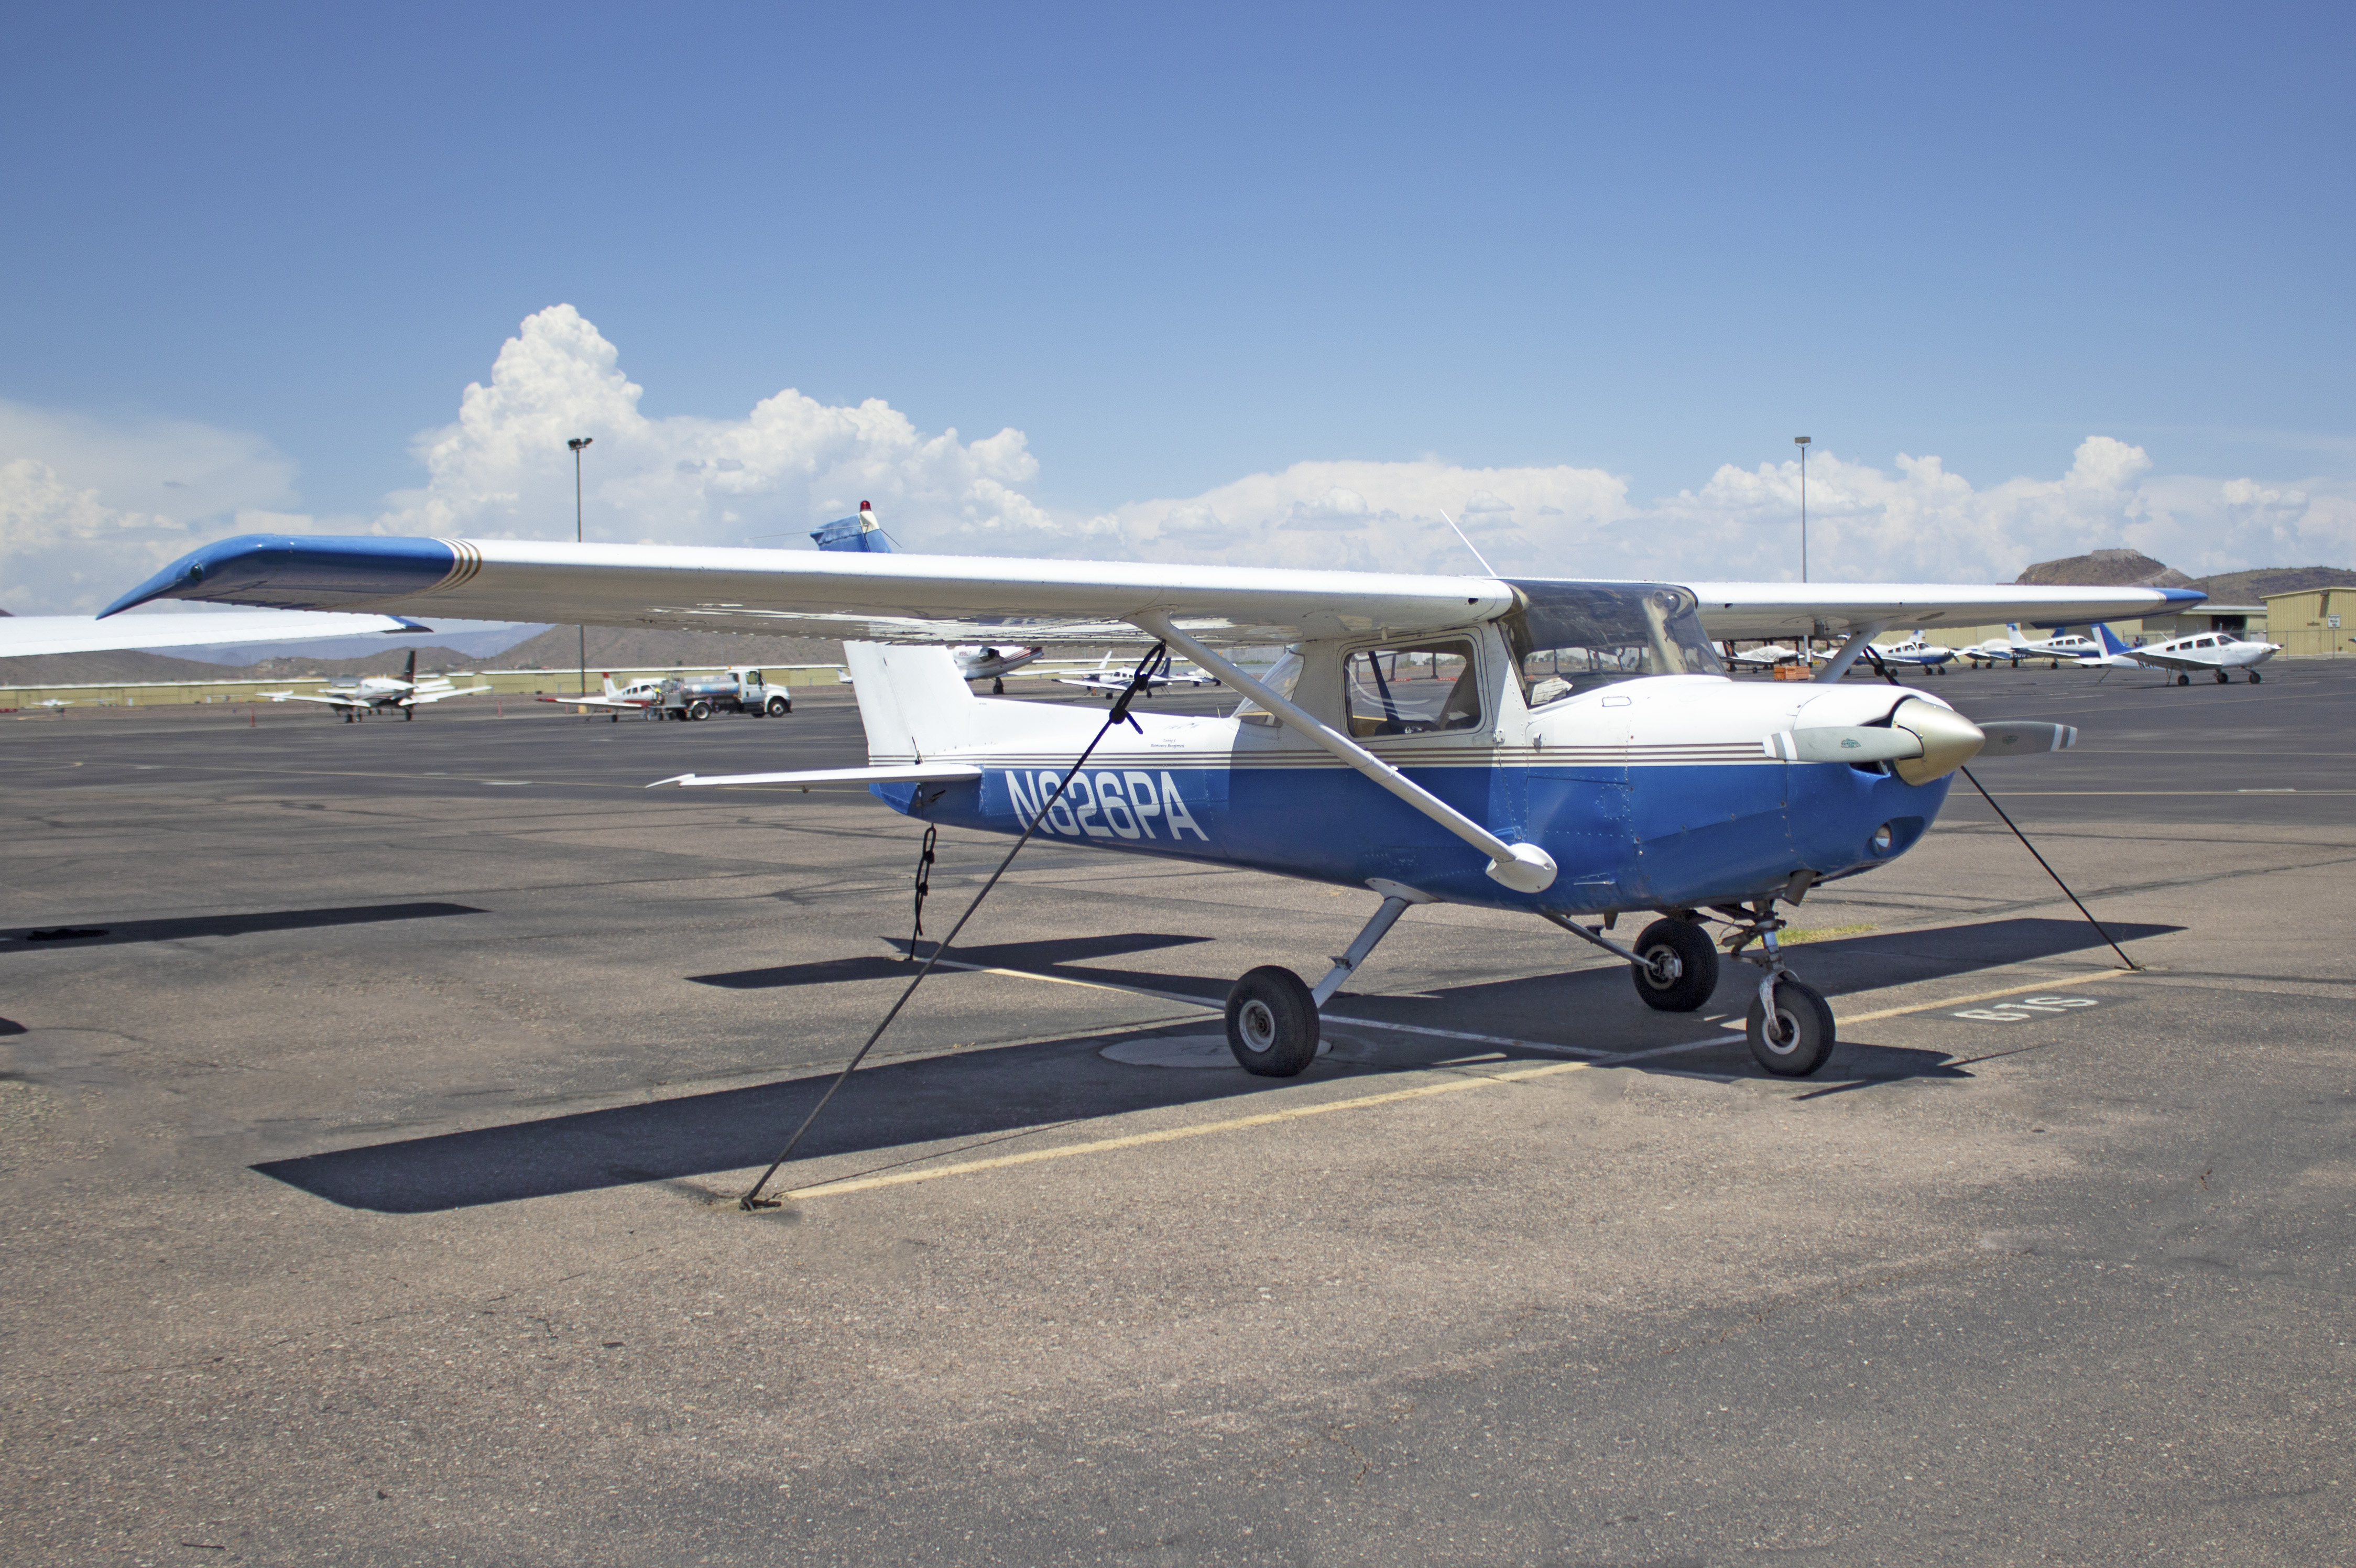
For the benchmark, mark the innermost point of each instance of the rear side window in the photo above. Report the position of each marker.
(1413, 688)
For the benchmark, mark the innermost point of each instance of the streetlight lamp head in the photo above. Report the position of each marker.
(1796, 441)
(578, 441)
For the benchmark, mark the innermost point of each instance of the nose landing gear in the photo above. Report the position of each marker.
(1790, 1026)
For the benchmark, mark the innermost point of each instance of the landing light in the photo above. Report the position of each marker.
(1882, 838)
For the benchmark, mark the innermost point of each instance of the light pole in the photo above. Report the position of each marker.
(578, 441)
(1802, 442)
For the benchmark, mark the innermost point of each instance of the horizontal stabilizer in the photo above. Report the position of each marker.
(2018, 737)
(915, 773)
(1844, 743)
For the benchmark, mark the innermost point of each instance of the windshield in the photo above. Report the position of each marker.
(1282, 678)
(1568, 637)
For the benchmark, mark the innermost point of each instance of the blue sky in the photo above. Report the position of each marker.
(1174, 248)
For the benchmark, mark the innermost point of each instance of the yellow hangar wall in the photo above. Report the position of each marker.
(2312, 623)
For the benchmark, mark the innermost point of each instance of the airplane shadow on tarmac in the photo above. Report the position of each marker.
(983, 1094)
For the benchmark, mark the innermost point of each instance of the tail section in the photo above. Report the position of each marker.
(861, 534)
(409, 675)
(2012, 635)
(611, 690)
(2108, 642)
(913, 702)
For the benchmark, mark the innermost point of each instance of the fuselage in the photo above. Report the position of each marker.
(1649, 793)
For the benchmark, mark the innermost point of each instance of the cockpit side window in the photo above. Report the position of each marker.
(1568, 637)
(1413, 688)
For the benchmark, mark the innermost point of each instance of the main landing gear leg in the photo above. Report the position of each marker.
(1789, 1026)
(1672, 962)
(1272, 1023)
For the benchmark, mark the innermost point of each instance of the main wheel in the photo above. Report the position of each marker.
(2255, 677)
(1803, 1031)
(996, 686)
(1680, 967)
(778, 707)
(2184, 680)
(698, 710)
(1272, 1023)
(2222, 677)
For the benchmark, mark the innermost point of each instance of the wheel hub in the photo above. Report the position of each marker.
(1258, 1022)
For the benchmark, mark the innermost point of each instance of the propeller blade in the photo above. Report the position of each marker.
(2018, 737)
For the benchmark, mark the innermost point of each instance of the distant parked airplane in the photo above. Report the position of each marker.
(637, 697)
(356, 699)
(2218, 653)
(1766, 656)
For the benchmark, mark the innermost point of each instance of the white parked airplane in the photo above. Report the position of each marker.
(1111, 680)
(1766, 656)
(637, 697)
(2016, 649)
(2218, 653)
(1585, 754)
(356, 699)
(986, 661)
(1913, 654)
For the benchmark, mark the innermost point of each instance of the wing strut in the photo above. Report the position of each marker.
(1523, 868)
(1838, 666)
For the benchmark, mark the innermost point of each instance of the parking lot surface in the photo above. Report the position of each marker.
(370, 1176)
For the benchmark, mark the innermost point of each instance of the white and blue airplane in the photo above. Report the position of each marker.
(1566, 749)
(2218, 652)
(1912, 653)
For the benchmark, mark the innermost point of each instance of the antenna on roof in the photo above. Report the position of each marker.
(1467, 544)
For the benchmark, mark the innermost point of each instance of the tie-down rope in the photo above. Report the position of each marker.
(753, 1198)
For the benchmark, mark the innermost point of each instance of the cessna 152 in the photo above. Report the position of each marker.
(2218, 653)
(1564, 749)
(358, 699)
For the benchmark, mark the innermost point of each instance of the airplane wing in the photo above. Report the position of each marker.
(616, 703)
(333, 699)
(23, 635)
(2167, 660)
(1749, 610)
(415, 698)
(954, 598)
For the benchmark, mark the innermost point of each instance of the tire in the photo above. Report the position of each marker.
(1806, 1024)
(1689, 958)
(698, 710)
(2255, 678)
(1272, 1023)
(778, 708)
(2222, 677)
(2184, 680)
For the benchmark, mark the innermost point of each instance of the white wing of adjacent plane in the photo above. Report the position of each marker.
(24, 636)
(953, 598)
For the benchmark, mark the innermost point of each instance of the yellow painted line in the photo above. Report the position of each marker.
(1175, 1134)
(2048, 984)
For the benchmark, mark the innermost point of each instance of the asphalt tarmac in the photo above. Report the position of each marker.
(369, 1177)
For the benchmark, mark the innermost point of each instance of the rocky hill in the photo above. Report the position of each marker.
(2251, 587)
(2105, 569)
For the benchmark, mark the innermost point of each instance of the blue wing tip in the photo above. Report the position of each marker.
(2187, 596)
(297, 571)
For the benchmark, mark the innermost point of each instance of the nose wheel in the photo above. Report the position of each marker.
(1798, 1038)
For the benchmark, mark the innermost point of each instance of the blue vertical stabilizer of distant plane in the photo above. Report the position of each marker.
(861, 534)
